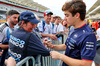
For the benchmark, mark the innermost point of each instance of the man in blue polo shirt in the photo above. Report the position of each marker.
(80, 46)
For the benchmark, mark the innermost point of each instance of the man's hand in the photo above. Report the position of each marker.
(44, 41)
(49, 44)
(53, 37)
(55, 55)
(10, 61)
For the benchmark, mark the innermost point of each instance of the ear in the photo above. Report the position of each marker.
(22, 22)
(7, 17)
(77, 15)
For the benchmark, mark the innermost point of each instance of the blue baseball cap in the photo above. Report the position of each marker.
(28, 16)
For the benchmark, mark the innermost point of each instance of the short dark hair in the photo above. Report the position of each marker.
(11, 12)
(58, 17)
(75, 6)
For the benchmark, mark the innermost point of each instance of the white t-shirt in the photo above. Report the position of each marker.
(47, 27)
(64, 28)
(98, 33)
(58, 28)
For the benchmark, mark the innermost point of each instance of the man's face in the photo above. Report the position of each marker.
(14, 19)
(29, 26)
(53, 19)
(47, 17)
(70, 20)
(58, 20)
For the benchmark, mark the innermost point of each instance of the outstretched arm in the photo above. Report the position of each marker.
(61, 47)
(70, 61)
(53, 37)
(4, 46)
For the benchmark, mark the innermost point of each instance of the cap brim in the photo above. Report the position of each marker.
(50, 13)
(34, 21)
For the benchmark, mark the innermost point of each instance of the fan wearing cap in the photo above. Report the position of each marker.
(22, 42)
(53, 18)
(45, 26)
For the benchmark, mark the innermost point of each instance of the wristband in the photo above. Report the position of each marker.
(52, 46)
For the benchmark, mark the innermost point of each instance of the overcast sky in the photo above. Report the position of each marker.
(56, 5)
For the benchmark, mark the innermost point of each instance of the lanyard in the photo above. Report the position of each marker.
(48, 29)
(9, 27)
(56, 28)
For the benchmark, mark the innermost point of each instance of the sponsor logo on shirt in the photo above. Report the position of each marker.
(83, 31)
(75, 36)
(15, 54)
(71, 44)
(17, 42)
(90, 45)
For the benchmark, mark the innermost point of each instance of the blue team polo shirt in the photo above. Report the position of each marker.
(81, 44)
(17, 43)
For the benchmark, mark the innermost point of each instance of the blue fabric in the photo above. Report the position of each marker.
(43, 23)
(8, 34)
(28, 16)
(52, 25)
(36, 44)
(81, 44)
(17, 45)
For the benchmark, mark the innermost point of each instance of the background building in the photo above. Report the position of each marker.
(21, 5)
(94, 12)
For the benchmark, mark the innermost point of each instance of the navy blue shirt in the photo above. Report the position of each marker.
(81, 44)
(17, 45)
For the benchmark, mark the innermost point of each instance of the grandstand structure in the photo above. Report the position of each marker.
(94, 11)
(21, 6)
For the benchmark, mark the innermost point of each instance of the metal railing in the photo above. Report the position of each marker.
(44, 60)
(26, 61)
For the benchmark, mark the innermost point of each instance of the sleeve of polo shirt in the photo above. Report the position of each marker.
(88, 47)
(36, 47)
(1, 37)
